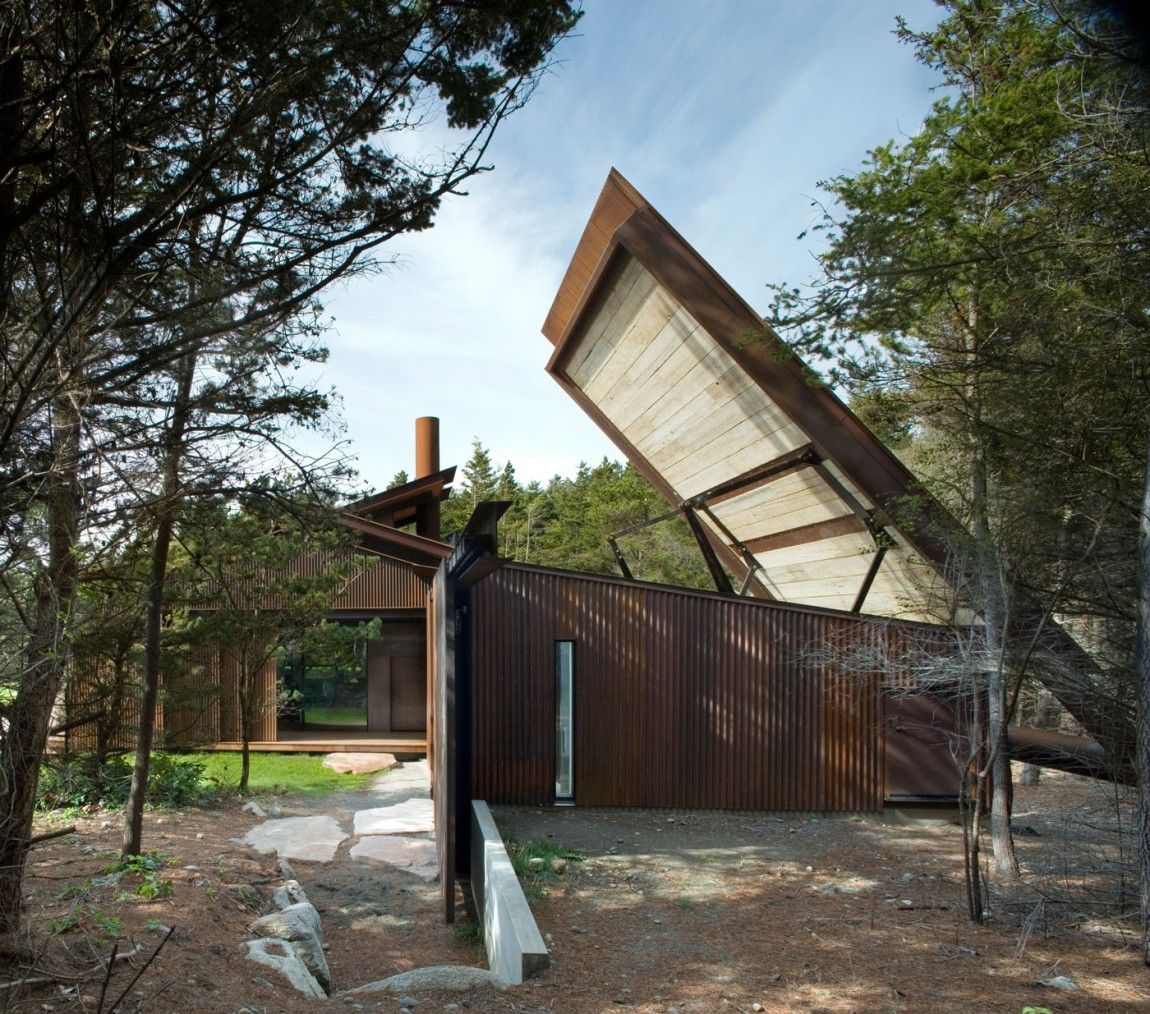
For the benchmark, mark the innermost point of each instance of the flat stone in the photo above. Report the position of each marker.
(281, 956)
(314, 839)
(459, 977)
(403, 818)
(416, 855)
(359, 763)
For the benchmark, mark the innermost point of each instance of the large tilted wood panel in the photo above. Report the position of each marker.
(681, 699)
(711, 406)
(699, 420)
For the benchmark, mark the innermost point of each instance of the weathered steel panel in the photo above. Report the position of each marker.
(371, 583)
(682, 699)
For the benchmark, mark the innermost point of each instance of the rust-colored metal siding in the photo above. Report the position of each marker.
(373, 583)
(682, 699)
(384, 584)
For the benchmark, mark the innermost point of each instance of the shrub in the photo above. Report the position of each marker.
(77, 779)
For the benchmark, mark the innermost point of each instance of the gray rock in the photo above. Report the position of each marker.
(283, 868)
(460, 977)
(1060, 982)
(417, 855)
(300, 925)
(279, 956)
(254, 809)
(292, 923)
(407, 817)
(408, 1002)
(289, 893)
(535, 864)
(245, 896)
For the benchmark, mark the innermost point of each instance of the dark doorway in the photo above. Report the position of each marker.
(397, 678)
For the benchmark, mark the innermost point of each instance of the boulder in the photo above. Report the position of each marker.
(454, 977)
(280, 956)
(408, 817)
(416, 855)
(299, 924)
(315, 839)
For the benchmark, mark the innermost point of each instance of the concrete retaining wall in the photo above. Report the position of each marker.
(515, 948)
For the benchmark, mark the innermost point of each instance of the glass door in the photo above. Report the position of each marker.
(564, 720)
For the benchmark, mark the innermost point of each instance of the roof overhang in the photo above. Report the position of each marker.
(423, 554)
(400, 505)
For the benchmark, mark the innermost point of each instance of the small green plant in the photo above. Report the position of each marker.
(107, 924)
(683, 903)
(79, 780)
(63, 923)
(145, 869)
(101, 923)
(534, 863)
(466, 931)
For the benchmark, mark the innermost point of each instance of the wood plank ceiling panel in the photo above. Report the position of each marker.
(697, 408)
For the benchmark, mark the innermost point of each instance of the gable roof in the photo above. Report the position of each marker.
(794, 493)
(400, 505)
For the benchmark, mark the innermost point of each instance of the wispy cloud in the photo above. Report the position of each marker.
(724, 114)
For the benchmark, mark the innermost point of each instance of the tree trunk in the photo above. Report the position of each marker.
(994, 631)
(166, 513)
(1143, 752)
(971, 801)
(29, 715)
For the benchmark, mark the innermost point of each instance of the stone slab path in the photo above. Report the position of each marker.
(314, 839)
(415, 854)
(397, 829)
(403, 818)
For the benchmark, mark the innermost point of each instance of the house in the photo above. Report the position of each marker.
(790, 686)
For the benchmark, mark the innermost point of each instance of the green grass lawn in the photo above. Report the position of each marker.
(322, 714)
(302, 773)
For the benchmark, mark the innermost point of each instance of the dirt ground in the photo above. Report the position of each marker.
(668, 911)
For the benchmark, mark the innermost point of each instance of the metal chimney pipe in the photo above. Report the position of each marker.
(427, 463)
(426, 446)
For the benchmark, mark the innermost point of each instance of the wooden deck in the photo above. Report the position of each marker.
(333, 741)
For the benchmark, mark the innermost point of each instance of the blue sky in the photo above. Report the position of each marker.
(724, 114)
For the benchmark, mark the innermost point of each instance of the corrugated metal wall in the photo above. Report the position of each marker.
(681, 698)
(373, 582)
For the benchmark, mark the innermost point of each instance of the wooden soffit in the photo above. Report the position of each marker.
(728, 423)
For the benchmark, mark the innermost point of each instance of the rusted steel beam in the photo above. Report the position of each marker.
(758, 476)
(871, 573)
(718, 575)
(816, 532)
(620, 559)
(749, 560)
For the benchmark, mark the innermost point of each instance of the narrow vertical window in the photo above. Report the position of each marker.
(564, 720)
